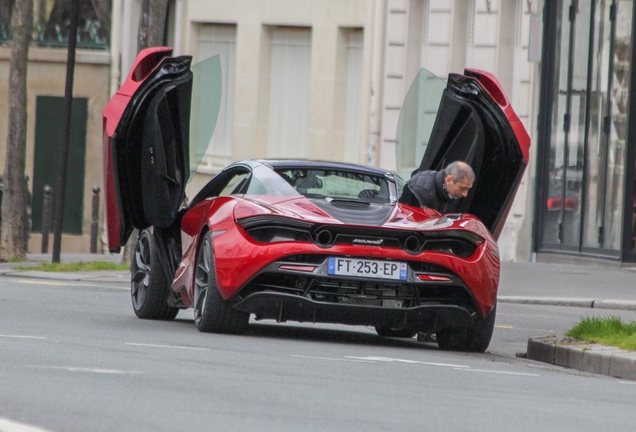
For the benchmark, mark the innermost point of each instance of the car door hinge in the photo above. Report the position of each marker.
(573, 10)
(606, 125)
(600, 236)
(566, 123)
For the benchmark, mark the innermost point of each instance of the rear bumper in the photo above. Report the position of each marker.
(288, 307)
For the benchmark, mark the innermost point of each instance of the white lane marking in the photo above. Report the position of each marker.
(509, 327)
(523, 315)
(499, 372)
(387, 359)
(7, 425)
(22, 337)
(80, 369)
(39, 282)
(167, 346)
(627, 382)
(333, 359)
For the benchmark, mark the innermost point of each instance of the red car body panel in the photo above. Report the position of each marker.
(238, 257)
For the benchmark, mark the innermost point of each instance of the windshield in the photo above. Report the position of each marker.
(348, 185)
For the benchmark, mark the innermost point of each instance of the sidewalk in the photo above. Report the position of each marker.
(114, 276)
(580, 285)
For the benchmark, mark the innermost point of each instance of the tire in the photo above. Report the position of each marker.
(385, 331)
(149, 289)
(469, 340)
(212, 314)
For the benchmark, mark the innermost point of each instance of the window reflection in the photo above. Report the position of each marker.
(562, 207)
(618, 135)
(590, 118)
(52, 21)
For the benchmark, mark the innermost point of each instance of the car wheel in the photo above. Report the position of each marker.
(211, 312)
(470, 340)
(386, 331)
(149, 289)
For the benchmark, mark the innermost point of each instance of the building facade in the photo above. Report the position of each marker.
(326, 79)
(46, 77)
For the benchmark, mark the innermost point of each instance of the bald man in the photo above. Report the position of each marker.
(440, 190)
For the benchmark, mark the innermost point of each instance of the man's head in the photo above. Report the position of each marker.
(459, 179)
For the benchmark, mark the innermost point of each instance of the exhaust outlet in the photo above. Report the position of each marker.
(412, 244)
(324, 238)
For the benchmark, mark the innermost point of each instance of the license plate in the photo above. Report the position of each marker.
(367, 268)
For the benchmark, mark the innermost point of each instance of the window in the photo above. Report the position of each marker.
(317, 183)
(289, 93)
(51, 23)
(234, 185)
(49, 121)
(220, 40)
(353, 115)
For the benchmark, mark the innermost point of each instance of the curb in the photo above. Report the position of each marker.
(105, 276)
(571, 302)
(586, 357)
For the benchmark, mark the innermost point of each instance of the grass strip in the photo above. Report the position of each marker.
(74, 267)
(611, 331)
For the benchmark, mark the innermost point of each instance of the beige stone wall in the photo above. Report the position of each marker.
(46, 76)
(255, 21)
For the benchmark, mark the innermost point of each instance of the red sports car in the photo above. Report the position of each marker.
(300, 240)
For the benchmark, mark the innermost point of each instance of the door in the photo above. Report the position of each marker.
(582, 207)
(49, 121)
(474, 123)
(148, 129)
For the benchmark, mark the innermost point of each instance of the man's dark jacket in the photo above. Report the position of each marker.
(426, 189)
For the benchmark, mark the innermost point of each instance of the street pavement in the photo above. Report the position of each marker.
(574, 285)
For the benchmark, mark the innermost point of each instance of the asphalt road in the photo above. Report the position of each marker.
(73, 357)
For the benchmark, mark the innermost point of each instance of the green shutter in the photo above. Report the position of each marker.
(49, 122)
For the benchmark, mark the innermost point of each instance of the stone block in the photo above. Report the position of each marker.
(615, 304)
(623, 365)
(569, 356)
(542, 349)
(597, 359)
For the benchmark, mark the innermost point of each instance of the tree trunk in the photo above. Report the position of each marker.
(152, 24)
(15, 191)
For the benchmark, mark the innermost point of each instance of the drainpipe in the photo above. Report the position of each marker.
(178, 49)
(377, 74)
(115, 46)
